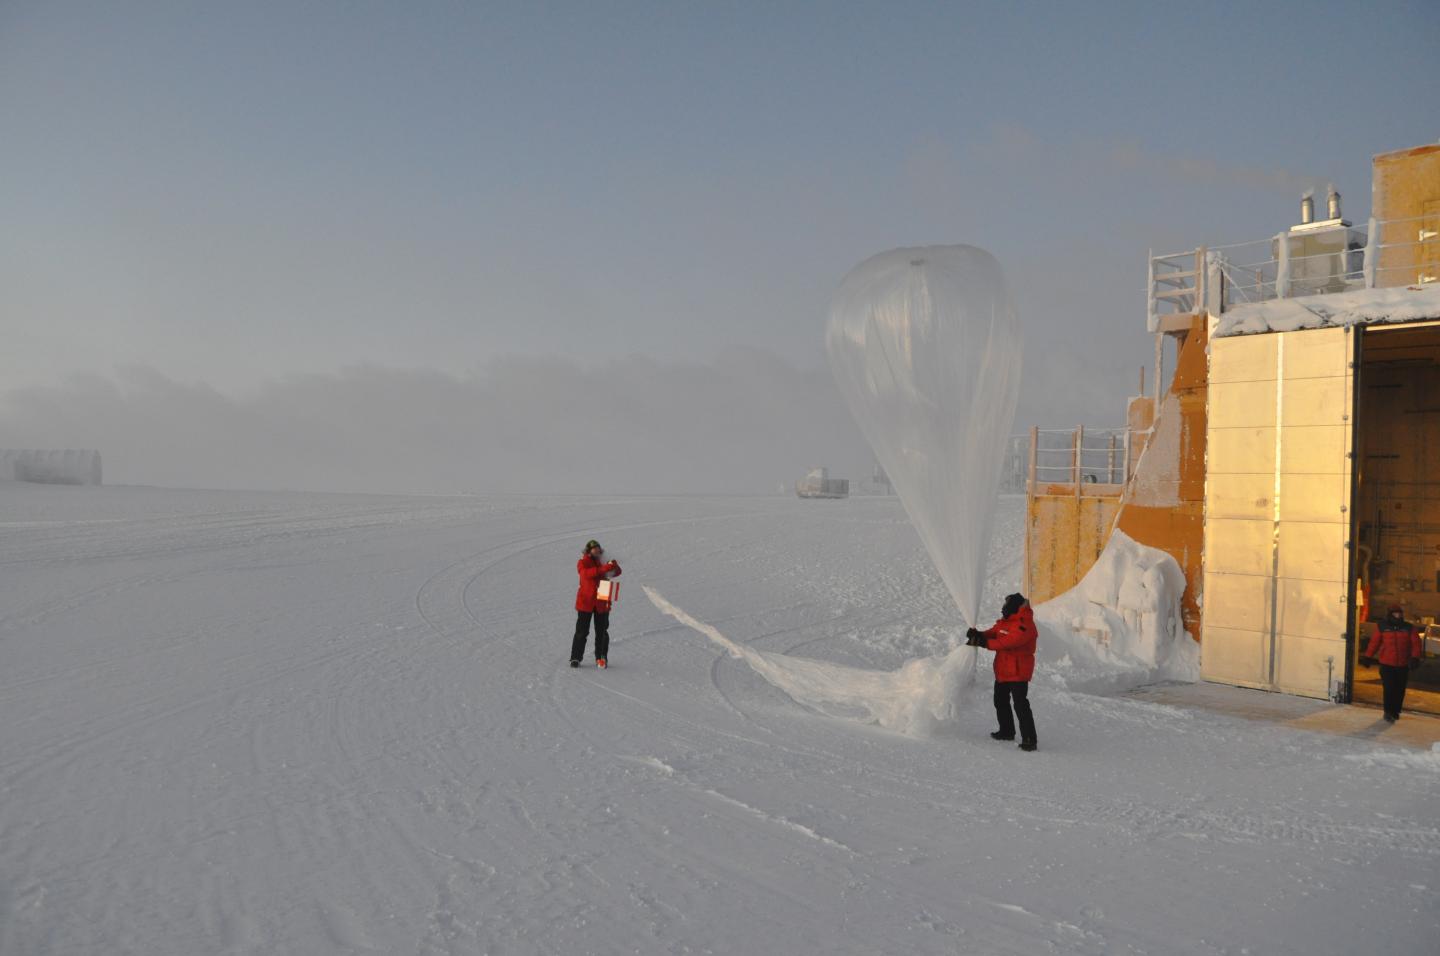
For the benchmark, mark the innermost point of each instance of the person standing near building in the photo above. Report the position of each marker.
(1396, 648)
(1013, 641)
(593, 569)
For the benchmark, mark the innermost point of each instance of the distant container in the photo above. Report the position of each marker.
(819, 484)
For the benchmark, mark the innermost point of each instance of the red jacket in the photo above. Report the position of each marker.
(1013, 641)
(1397, 647)
(591, 571)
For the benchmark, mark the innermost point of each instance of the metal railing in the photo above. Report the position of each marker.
(1387, 252)
(1079, 456)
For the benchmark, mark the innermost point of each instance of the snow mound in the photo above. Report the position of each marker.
(1120, 627)
(921, 696)
(1361, 307)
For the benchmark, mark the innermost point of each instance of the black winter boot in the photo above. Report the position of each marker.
(1029, 745)
(1001, 735)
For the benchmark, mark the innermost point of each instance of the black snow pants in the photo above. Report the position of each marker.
(1019, 692)
(1394, 680)
(582, 631)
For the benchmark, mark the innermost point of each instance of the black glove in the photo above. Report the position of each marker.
(1415, 664)
(975, 638)
(1367, 661)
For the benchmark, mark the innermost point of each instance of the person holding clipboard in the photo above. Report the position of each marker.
(593, 600)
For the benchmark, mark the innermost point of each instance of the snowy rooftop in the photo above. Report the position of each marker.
(1360, 307)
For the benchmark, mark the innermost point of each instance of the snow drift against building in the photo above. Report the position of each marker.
(50, 467)
(1360, 307)
(1120, 627)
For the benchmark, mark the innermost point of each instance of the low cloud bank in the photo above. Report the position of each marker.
(744, 422)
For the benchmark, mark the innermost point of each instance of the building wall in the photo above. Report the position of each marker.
(1406, 186)
(1277, 498)
(1065, 534)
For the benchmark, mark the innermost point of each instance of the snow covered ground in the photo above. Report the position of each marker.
(283, 723)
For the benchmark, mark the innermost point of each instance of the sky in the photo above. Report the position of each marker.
(270, 203)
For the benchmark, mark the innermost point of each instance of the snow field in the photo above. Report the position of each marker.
(336, 724)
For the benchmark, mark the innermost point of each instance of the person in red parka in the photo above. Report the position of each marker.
(1013, 641)
(593, 569)
(1396, 647)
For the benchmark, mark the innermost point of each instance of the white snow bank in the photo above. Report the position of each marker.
(922, 695)
(1361, 307)
(1119, 628)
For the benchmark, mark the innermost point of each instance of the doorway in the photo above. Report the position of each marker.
(1397, 500)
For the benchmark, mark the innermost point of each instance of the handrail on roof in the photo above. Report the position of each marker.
(1206, 279)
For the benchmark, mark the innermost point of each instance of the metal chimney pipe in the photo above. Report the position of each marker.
(1333, 204)
(1307, 210)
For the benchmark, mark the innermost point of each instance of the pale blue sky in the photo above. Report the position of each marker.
(229, 192)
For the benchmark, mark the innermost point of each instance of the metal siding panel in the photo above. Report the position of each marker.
(1240, 496)
(1246, 358)
(1237, 601)
(1312, 551)
(1314, 401)
(1238, 546)
(1314, 450)
(1301, 666)
(1313, 353)
(1234, 656)
(1240, 451)
(1313, 609)
(1242, 404)
(1319, 498)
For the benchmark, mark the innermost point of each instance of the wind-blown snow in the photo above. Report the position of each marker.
(1362, 306)
(284, 723)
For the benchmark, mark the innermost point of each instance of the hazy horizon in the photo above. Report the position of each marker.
(297, 235)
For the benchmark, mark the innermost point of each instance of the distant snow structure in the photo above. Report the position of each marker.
(50, 466)
(877, 484)
(819, 484)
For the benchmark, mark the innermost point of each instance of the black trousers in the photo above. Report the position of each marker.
(582, 631)
(1019, 692)
(1394, 680)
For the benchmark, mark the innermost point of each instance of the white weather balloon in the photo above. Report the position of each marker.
(925, 347)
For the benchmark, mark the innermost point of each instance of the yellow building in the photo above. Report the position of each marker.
(1292, 465)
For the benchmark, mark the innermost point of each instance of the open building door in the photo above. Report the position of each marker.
(1397, 497)
(1277, 511)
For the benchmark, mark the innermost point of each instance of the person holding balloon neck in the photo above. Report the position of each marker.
(1013, 641)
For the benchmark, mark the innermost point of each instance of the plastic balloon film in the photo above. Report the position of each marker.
(925, 346)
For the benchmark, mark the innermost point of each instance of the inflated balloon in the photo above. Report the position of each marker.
(925, 346)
